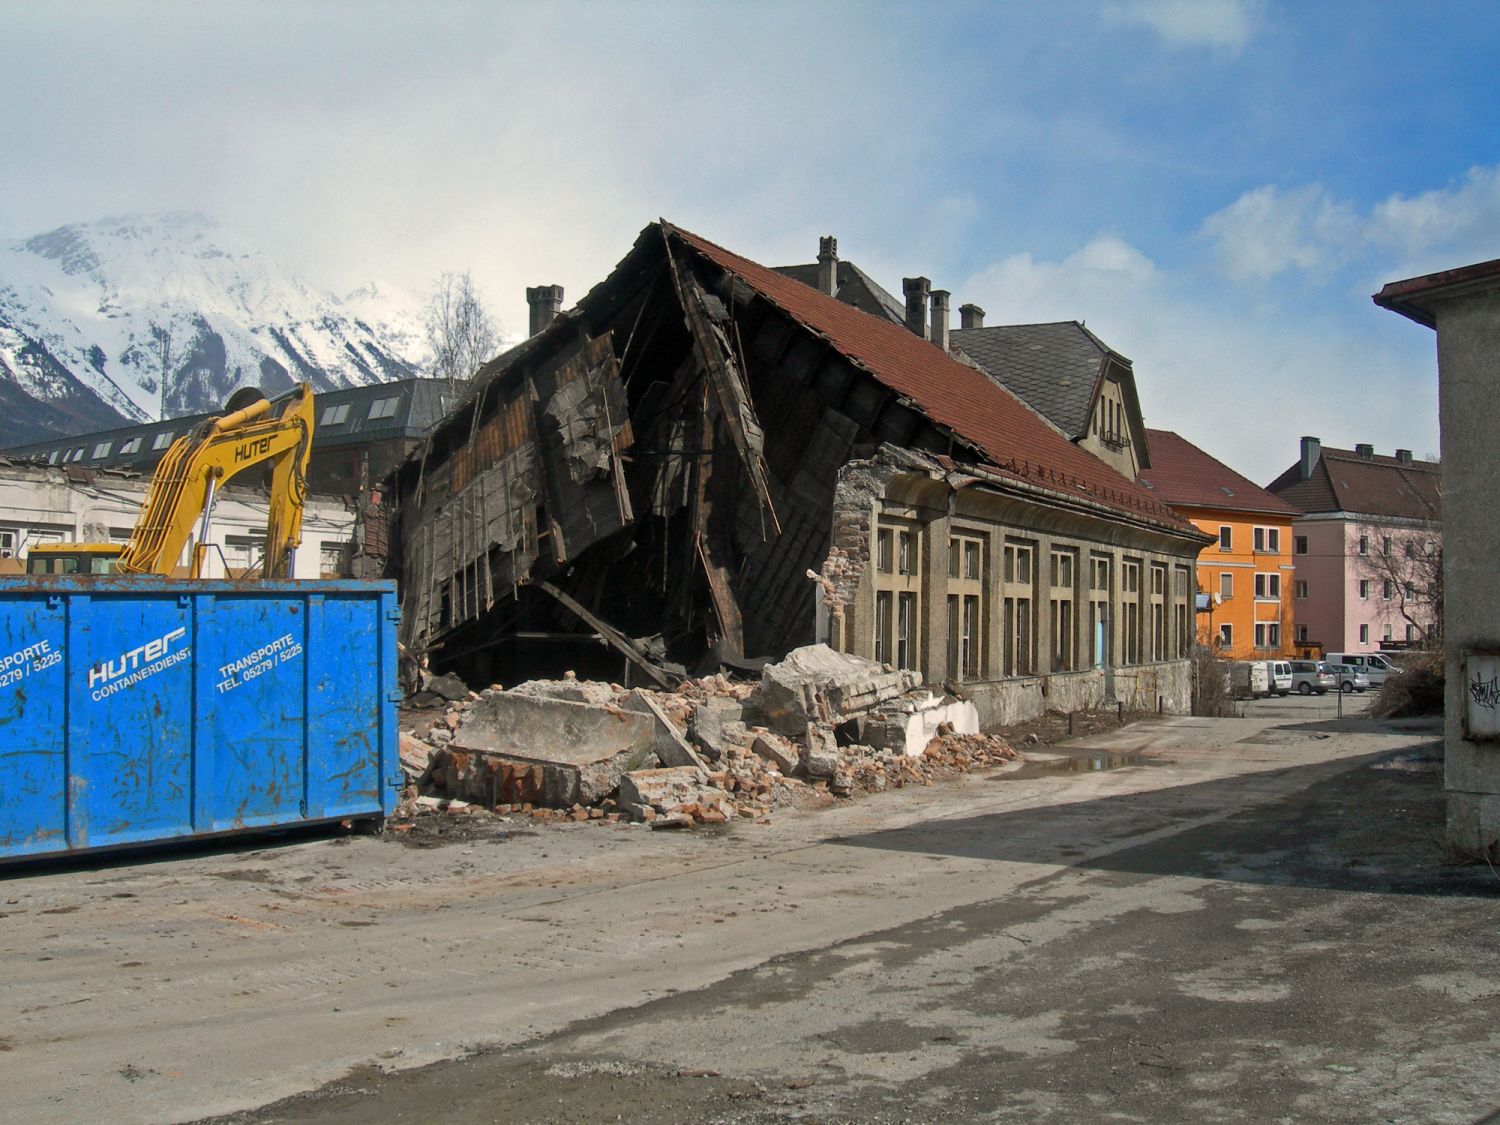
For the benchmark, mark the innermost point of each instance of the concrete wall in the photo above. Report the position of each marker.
(1003, 702)
(1469, 376)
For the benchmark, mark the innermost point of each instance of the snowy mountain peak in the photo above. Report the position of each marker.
(95, 317)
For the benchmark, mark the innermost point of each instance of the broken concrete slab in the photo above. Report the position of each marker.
(671, 747)
(572, 690)
(815, 684)
(447, 687)
(820, 753)
(714, 724)
(583, 750)
(907, 725)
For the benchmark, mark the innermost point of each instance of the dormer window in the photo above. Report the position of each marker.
(384, 407)
(335, 415)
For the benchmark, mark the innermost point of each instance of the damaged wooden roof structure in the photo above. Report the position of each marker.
(661, 462)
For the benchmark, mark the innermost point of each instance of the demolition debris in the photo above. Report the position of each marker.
(819, 724)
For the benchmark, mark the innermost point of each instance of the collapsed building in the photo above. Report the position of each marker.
(706, 462)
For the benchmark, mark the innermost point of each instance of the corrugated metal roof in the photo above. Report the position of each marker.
(963, 400)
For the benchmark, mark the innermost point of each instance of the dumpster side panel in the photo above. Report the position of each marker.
(144, 709)
(346, 768)
(130, 719)
(251, 711)
(33, 732)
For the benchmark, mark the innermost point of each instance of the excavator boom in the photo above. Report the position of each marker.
(275, 432)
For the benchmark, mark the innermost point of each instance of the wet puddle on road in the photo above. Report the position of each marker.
(1083, 763)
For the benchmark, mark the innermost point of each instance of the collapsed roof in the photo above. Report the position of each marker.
(661, 459)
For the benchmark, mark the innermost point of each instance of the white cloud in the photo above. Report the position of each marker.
(1462, 215)
(1223, 24)
(1269, 231)
(1240, 380)
(1266, 231)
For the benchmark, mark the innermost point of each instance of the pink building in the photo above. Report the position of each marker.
(1367, 548)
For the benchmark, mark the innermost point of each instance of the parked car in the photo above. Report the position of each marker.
(1374, 666)
(1309, 676)
(1349, 677)
(1278, 677)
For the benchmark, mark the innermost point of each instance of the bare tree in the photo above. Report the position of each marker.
(1403, 563)
(460, 332)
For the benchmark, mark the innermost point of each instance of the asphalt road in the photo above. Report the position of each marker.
(1221, 920)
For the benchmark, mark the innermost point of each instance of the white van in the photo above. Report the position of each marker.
(1375, 666)
(1278, 677)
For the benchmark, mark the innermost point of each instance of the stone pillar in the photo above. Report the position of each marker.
(546, 303)
(939, 335)
(828, 265)
(916, 290)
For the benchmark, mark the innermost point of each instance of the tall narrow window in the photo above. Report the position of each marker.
(898, 577)
(1226, 537)
(1018, 578)
(1100, 621)
(1182, 613)
(1061, 596)
(1158, 612)
(966, 607)
(1130, 611)
(1226, 585)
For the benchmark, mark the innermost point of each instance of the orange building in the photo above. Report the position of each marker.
(1246, 580)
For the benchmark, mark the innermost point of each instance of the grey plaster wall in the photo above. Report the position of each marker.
(1469, 395)
(1138, 687)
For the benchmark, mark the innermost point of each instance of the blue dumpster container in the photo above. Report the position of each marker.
(141, 709)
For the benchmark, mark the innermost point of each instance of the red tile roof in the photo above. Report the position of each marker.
(1009, 434)
(1343, 481)
(1185, 476)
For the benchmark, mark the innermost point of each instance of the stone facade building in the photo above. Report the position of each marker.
(718, 460)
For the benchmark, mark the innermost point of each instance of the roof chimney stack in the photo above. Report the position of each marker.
(1365, 450)
(916, 290)
(546, 303)
(1403, 456)
(939, 334)
(828, 265)
(1312, 452)
(970, 316)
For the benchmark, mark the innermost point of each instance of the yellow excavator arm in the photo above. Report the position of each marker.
(275, 432)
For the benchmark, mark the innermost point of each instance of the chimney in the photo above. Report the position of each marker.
(828, 264)
(939, 335)
(1365, 450)
(970, 316)
(546, 302)
(1403, 456)
(916, 290)
(1312, 451)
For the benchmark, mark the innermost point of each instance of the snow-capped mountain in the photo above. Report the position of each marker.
(92, 314)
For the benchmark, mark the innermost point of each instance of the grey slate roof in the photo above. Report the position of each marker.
(1053, 367)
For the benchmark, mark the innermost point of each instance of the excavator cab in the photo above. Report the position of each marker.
(74, 558)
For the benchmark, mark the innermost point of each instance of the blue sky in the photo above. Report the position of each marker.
(1215, 187)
